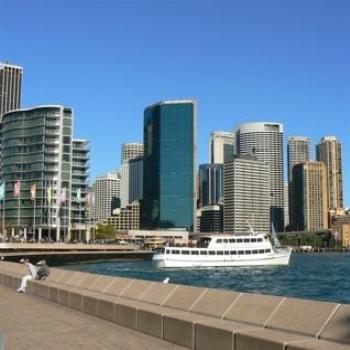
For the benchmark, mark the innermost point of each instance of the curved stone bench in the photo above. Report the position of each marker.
(197, 318)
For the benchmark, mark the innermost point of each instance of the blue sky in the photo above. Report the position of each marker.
(244, 60)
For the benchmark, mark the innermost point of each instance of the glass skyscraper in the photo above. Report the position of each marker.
(211, 184)
(169, 165)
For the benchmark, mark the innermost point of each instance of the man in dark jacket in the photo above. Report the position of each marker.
(43, 270)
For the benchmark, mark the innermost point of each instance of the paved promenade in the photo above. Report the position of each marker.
(31, 323)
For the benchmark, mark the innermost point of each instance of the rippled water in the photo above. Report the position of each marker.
(311, 276)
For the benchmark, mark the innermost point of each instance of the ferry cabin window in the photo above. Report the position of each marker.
(267, 250)
(211, 252)
(226, 252)
(248, 252)
(195, 252)
(203, 252)
(175, 252)
(219, 241)
(167, 251)
(233, 252)
(239, 240)
(185, 252)
(240, 252)
(254, 252)
(220, 252)
(260, 239)
(246, 240)
(232, 240)
(225, 240)
(261, 251)
(253, 240)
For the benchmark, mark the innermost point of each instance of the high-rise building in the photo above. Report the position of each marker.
(211, 219)
(310, 196)
(38, 163)
(131, 173)
(246, 195)
(298, 151)
(328, 151)
(106, 194)
(265, 140)
(10, 87)
(286, 205)
(169, 177)
(211, 184)
(131, 151)
(221, 147)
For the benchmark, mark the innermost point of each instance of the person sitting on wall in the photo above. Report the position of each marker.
(43, 270)
(29, 277)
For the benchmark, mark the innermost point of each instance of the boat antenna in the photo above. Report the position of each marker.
(250, 228)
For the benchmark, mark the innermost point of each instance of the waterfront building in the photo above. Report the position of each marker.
(36, 163)
(131, 151)
(211, 184)
(157, 238)
(265, 141)
(80, 189)
(310, 196)
(246, 195)
(211, 219)
(286, 205)
(221, 147)
(131, 182)
(10, 87)
(169, 175)
(298, 151)
(328, 151)
(340, 226)
(127, 218)
(106, 194)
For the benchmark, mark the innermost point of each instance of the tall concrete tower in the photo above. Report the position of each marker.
(265, 141)
(328, 151)
(221, 147)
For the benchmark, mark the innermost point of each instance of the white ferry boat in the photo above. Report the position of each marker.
(225, 250)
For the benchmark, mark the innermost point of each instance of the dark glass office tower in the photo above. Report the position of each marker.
(169, 165)
(211, 184)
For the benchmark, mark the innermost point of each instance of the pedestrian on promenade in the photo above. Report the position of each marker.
(43, 270)
(29, 277)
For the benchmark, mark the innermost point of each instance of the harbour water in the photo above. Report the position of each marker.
(323, 276)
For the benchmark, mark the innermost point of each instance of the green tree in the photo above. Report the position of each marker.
(105, 232)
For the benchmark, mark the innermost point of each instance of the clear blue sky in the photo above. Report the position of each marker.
(244, 60)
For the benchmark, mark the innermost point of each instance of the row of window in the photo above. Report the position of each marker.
(218, 252)
(239, 240)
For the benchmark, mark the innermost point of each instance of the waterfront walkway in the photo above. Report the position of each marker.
(31, 323)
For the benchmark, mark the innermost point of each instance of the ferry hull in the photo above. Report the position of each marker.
(273, 259)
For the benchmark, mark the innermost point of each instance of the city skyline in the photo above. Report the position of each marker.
(255, 77)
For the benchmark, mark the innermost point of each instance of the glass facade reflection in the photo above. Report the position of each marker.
(211, 184)
(169, 163)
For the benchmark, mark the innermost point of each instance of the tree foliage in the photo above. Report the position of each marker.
(104, 232)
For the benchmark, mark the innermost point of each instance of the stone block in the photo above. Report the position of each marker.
(158, 293)
(76, 300)
(107, 310)
(317, 345)
(265, 339)
(62, 277)
(53, 294)
(126, 315)
(90, 305)
(301, 316)
(214, 302)
(338, 329)
(118, 286)
(135, 289)
(253, 308)
(87, 281)
(184, 297)
(150, 323)
(63, 297)
(101, 284)
(75, 279)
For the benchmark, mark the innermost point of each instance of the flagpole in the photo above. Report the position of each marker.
(34, 220)
(49, 211)
(19, 206)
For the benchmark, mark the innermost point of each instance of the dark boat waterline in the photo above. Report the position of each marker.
(322, 276)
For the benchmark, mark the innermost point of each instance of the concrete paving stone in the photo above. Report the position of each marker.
(107, 310)
(265, 339)
(76, 301)
(62, 277)
(301, 316)
(118, 286)
(135, 290)
(158, 293)
(75, 278)
(184, 297)
(63, 297)
(338, 329)
(218, 334)
(90, 305)
(317, 345)
(214, 302)
(34, 324)
(87, 281)
(254, 309)
(150, 323)
(101, 284)
(126, 316)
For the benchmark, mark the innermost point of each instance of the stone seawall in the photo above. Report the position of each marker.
(196, 318)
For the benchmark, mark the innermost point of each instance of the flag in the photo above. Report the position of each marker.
(17, 189)
(49, 194)
(63, 194)
(79, 194)
(2, 191)
(33, 192)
